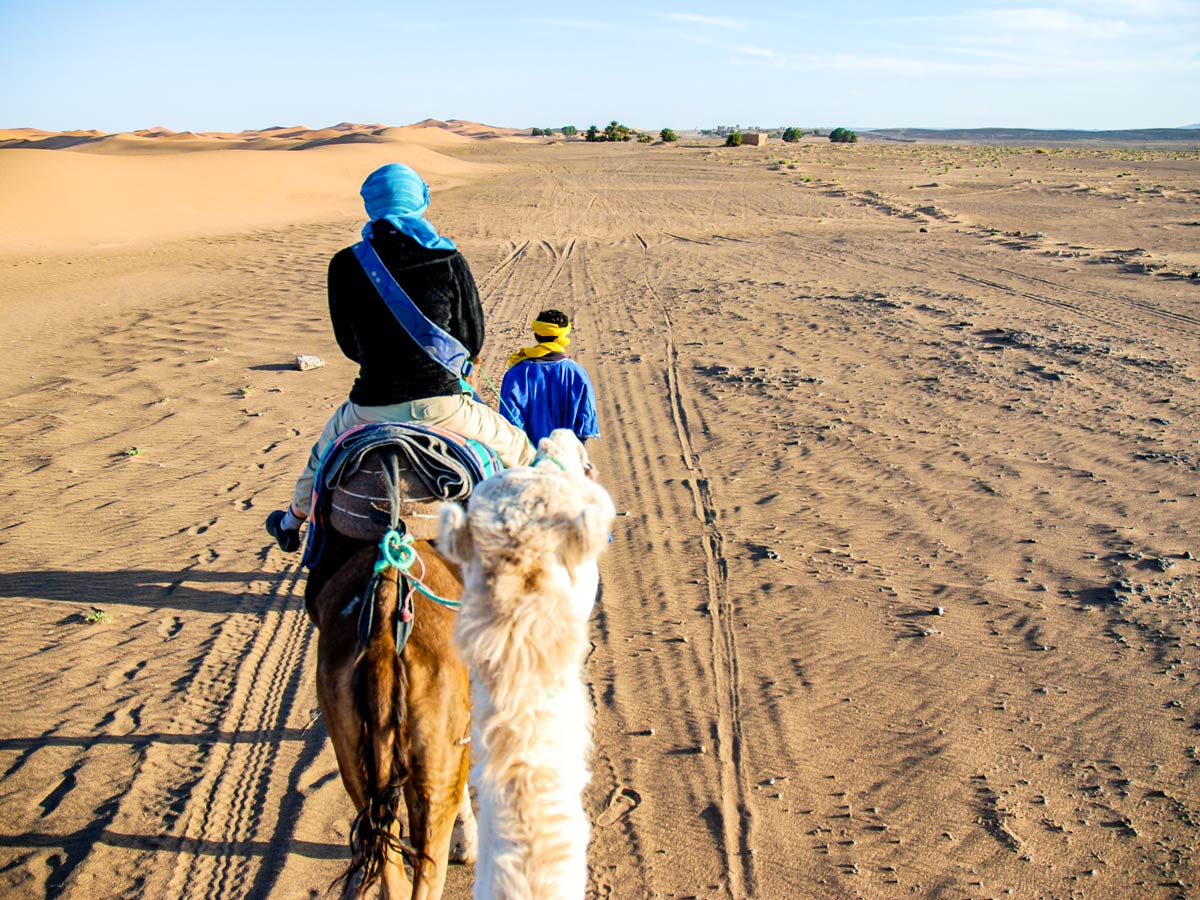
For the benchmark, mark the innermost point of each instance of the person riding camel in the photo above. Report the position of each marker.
(398, 380)
(544, 389)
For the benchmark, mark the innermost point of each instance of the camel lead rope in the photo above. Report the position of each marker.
(396, 551)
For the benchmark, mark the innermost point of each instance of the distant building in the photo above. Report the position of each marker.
(754, 138)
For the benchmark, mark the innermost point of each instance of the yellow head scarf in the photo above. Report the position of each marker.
(544, 329)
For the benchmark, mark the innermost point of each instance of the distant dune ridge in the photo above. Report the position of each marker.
(154, 184)
(276, 137)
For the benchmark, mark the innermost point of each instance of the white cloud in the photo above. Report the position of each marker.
(1144, 9)
(580, 24)
(760, 52)
(1059, 22)
(997, 66)
(710, 21)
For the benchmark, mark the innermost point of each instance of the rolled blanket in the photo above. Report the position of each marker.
(449, 464)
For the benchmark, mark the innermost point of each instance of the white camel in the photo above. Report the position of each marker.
(528, 545)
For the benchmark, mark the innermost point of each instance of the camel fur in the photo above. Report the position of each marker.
(528, 546)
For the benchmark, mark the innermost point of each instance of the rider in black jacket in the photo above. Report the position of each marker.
(397, 381)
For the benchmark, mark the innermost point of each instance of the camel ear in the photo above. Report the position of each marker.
(586, 536)
(454, 537)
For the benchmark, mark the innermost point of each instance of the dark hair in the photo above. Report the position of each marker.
(554, 317)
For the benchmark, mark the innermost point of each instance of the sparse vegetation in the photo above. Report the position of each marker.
(733, 139)
(96, 616)
(614, 131)
(668, 136)
(542, 132)
(645, 139)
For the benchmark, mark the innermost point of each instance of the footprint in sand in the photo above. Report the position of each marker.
(620, 804)
(169, 627)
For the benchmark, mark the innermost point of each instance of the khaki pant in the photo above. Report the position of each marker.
(455, 413)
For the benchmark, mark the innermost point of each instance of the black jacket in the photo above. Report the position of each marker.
(392, 367)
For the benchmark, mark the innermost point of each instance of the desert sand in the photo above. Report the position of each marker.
(903, 598)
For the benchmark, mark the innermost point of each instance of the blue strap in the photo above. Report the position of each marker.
(443, 348)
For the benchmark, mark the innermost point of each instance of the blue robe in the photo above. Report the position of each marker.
(551, 392)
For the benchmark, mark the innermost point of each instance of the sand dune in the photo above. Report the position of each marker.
(903, 600)
(70, 202)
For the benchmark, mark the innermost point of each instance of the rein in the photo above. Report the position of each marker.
(396, 551)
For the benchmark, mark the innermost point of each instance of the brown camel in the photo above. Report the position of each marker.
(399, 723)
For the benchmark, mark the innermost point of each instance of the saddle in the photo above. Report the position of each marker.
(393, 472)
(360, 507)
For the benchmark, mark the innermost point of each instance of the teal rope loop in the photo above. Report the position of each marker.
(396, 551)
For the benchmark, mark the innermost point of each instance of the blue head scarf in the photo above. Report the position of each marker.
(396, 193)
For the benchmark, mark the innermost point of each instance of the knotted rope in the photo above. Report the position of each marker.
(396, 551)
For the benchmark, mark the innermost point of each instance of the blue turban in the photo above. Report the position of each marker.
(396, 193)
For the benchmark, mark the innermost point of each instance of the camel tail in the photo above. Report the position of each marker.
(380, 685)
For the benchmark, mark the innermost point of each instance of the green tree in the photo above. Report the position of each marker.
(592, 134)
(733, 139)
(843, 136)
(791, 135)
(615, 131)
(668, 136)
(569, 131)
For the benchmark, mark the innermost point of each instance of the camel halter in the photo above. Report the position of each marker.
(537, 459)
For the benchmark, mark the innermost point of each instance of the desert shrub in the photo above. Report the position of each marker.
(733, 139)
(791, 135)
(843, 136)
(645, 139)
(668, 135)
(569, 130)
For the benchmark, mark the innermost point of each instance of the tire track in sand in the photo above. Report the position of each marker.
(736, 821)
(232, 809)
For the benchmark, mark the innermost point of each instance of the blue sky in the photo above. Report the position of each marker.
(120, 65)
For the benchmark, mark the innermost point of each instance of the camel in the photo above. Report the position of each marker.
(399, 722)
(528, 546)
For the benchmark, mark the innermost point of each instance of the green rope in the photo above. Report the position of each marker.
(396, 551)
(558, 462)
(496, 391)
